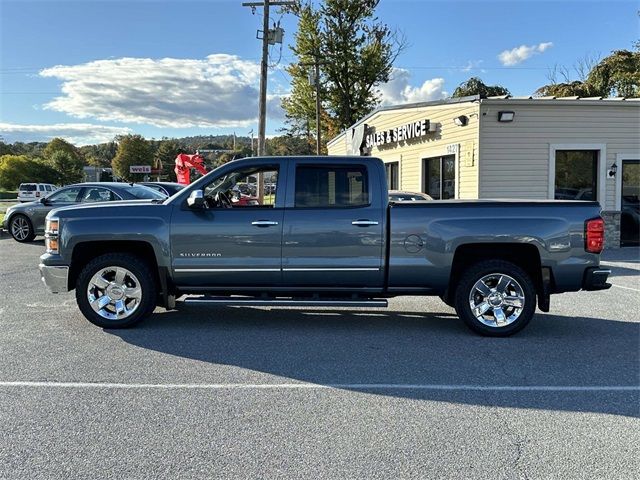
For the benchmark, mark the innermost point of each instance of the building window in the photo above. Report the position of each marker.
(392, 170)
(440, 177)
(576, 175)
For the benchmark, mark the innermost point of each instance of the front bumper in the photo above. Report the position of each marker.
(595, 278)
(56, 278)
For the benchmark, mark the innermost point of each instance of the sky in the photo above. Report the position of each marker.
(89, 70)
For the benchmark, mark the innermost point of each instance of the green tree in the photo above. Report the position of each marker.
(300, 106)
(132, 150)
(241, 151)
(289, 145)
(564, 89)
(17, 169)
(5, 149)
(67, 166)
(475, 86)
(615, 75)
(61, 145)
(100, 155)
(357, 52)
(165, 156)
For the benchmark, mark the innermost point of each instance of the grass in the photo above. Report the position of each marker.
(3, 208)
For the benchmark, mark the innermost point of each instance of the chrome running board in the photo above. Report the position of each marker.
(285, 302)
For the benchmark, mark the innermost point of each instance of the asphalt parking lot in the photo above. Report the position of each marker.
(404, 392)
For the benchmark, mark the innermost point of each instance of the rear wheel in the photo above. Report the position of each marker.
(22, 229)
(495, 298)
(116, 290)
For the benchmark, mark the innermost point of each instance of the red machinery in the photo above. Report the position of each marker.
(184, 164)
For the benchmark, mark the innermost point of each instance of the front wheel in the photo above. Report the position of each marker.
(116, 290)
(495, 298)
(21, 229)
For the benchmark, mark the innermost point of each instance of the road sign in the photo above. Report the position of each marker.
(140, 169)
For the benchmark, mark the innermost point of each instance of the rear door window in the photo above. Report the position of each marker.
(331, 186)
(27, 187)
(97, 194)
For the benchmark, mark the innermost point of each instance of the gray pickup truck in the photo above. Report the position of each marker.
(320, 231)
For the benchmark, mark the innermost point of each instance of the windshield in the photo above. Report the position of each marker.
(27, 187)
(140, 191)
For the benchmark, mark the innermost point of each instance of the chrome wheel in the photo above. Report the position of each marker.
(496, 300)
(114, 293)
(20, 228)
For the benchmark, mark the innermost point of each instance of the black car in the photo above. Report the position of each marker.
(166, 188)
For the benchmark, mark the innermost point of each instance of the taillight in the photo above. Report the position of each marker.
(37, 194)
(594, 235)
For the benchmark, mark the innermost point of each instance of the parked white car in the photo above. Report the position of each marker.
(28, 192)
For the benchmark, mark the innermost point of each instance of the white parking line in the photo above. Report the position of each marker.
(314, 386)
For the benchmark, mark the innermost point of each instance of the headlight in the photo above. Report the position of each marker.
(51, 231)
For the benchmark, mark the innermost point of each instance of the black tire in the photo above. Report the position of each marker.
(478, 271)
(136, 266)
(25, 223)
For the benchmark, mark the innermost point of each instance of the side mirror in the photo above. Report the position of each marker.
(196, 199)
(44, 201)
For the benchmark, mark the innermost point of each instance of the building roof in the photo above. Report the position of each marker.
(504, 99)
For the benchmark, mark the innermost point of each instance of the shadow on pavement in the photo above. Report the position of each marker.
(624, 254)
(373, 347)
(622, 271)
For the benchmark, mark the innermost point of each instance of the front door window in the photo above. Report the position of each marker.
(247, 187)
(66, 195)
(440, 177)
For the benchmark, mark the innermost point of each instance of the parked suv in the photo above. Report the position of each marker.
(28, 192)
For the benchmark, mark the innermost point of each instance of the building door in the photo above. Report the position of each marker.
(392, 170)
(439, 177)
(630, 203)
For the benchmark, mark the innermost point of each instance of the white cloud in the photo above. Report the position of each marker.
(76, 133)
(521, 53)
(398, 90)
(472, 65)
(218, 91)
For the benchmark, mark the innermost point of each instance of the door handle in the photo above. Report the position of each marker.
(364, 223)
(263, 223)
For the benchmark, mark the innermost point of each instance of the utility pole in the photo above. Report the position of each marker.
(267, 38)
(316, 64)
(317, 107)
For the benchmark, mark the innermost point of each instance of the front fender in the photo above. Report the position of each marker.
(116, 227)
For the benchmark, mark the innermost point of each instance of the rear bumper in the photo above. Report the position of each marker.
(55, 278)
(595, 278)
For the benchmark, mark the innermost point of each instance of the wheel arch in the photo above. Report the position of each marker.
(83, 252)
(526, 256)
